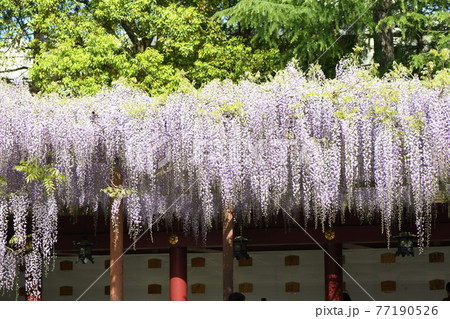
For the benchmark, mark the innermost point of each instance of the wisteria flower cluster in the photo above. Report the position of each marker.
(376, 148)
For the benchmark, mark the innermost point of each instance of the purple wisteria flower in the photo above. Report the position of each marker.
(375, 148)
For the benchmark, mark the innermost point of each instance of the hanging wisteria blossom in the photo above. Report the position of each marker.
(318, 148)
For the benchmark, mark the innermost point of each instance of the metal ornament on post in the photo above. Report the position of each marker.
(405, 244)
(173, 239)
(330, 234)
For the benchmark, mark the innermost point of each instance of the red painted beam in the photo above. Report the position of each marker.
(73, 228)
(258, 237)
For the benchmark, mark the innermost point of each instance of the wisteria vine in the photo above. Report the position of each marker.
(377, 148)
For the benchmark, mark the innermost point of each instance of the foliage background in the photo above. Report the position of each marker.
(161, 45)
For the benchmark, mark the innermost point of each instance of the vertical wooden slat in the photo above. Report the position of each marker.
(387, 258)
(388, 286)
(292, 287)
(436, 257)
(291, 260)
(247, 262)
(154, 263)
(198, 262)
(66, 265)
(437, 284)
(154, 289)
(66, 291)
(246, 287)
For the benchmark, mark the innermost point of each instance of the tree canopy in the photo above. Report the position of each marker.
(309, 29)
(161, 45)
(79, 46)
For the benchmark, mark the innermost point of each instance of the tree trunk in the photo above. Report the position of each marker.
(227, 251)
(420, 44)
(384, 38)
(116, 246)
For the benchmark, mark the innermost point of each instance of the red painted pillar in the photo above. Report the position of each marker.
(36, 293)
(30, 298)
(178, 273)
(34, 298)
(227, 252)
(333, 273)
(116, 248)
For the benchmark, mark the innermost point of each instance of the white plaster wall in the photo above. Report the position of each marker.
(268, 275)
(412, 275)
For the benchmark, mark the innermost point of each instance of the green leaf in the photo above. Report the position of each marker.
(46, 174)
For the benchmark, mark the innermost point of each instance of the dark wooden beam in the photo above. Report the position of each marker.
(364, 234)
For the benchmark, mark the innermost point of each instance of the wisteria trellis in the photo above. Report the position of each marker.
(378, 148)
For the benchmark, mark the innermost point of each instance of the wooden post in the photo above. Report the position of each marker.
(227, 251)
(29, 296)
(178, 273)
(34, 298)
(333, 273)
(116, 247)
